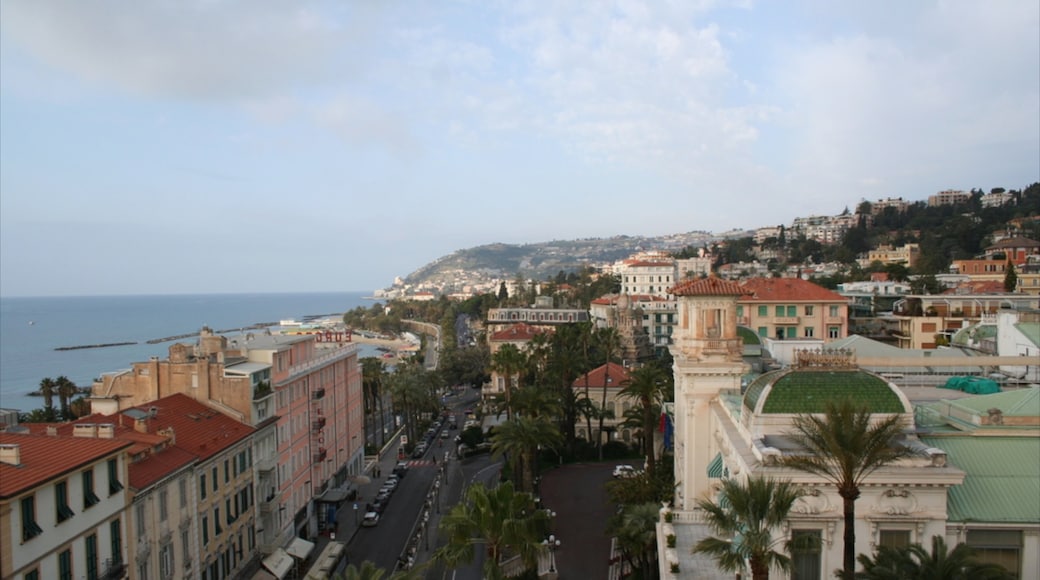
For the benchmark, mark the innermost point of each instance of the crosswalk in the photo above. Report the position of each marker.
(420, 463)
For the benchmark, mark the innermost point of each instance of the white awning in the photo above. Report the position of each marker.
(300, 548)
(279, 563)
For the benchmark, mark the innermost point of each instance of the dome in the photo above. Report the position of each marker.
(801, 391)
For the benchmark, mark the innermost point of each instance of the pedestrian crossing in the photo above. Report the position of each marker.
(420, 463)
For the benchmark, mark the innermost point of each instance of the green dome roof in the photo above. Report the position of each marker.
(794, 391)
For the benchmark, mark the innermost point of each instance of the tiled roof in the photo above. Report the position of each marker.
(1017, 403)
(710, 286)
(793, 391)
(1002, 478)
(519, 332)
(619, 377)
(1015, 242)
(45, 457)
(157, 466)
(198, 429)
(787, 290)
(978, 287)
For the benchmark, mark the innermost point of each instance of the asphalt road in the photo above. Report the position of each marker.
(578, 496)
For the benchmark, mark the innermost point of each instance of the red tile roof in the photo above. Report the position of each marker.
(44, 458)
(710, 286)
(157, 466)
(619, 377)
(518, 332)
(978, 287)
(198, 429)
(787, 290)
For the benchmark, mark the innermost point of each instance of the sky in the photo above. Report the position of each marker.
(205, 146)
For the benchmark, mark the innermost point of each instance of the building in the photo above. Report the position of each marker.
(655, 314)
(792, 308)
(905, 255)
(302, 395)
(721, 433)
(542, 314)
(602, 386)
(519, 336)
(62, 507)
(647, 273)
(996, 199)
(949, 197)
(1016, 250)
(897, 204)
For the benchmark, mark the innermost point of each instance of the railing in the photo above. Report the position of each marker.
(318, 393)
(833, 320)
(266, 464)
(786, 320)
(318, 424)
(320, 455)
(112, 568)
(318, 362)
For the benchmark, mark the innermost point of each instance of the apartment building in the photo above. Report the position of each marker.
(949, 197)
(792, 308)
(602, 386)
(654, 314)
(1016, 249)
(647, 273)
(907, 255)
(898, 204)
(302, 396)
(62, 507)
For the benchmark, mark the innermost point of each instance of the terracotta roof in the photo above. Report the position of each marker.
(978, 287)
(157, 466)
(44, 458)
(710, 286)
(1015, 242)
(788, 290)
(519, 332)
(198, 429)
(619, 377)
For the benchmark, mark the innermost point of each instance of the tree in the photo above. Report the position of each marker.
(844, 446)
(47, 389)
(1010, 278)
(505, 521)
(747, 516)
(520, 438)
(508, 360)
(647, 388)
(66, 391)
(373, 373)
(636, 531)
(369, 571)
(609, 341)
(915, 563)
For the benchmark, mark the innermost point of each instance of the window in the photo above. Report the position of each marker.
(763, 331)
(166, 560)
(163, 510)
(740, 311)
(834, 332)
(227, 471)
(202, 485)
(1002, 547)
(61, 501)
(139, 523)
(779, 311)
(92, 556)
(114, 486)
(833, 311)
(30, 529)
(894, 538)
(89, 497)
(792, 311)
(205, 530)
(808, 332)
(183, 485)
(185, 547)
(216, 522)
(805, 554)
(213, 473)
(32, 575)
(227, 511)
(115, 533)
(808, 310)
(763, 311)
(65, 565)
(142, 570)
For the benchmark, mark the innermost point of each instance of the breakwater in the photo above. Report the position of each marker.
(103, 345)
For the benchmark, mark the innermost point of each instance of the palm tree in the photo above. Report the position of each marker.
(647, 387)
(47, 389)
(609, 341)
(505, 521)
(915, 563)
(508, 360)
(844, 446)
(372, 374)
(636, 531)
(66, 390)
(369, 571)
(746, 516)
(520, 439)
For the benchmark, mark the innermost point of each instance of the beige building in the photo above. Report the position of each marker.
(907, 255)
(602, 386)
(792, 308)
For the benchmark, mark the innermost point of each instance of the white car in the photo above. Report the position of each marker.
(370, 519)
(624, 471)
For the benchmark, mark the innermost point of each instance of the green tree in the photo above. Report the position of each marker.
(519, 439)
(373, 374)
(66, 391)
(648, 387)
(914, 562)
(636, 531)
(1010, 278)
(369, 571)
(509, 361)
(608, 340)
(844, 446)
(506, 522)
(747, 518)
(47, 389)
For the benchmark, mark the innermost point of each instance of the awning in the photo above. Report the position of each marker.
(715, 468)
(279, 563)
(333, 495)
(300, 548)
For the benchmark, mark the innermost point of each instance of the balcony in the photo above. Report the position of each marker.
(321, 455)
(111, 569)
(786, 320)
(318, 424)
(266, 464)
(834, 320)
(318, 394)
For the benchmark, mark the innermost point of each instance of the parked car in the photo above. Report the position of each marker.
(401, 469)
(384, 495)
(370, 519)
(377, 506)
(624, 471)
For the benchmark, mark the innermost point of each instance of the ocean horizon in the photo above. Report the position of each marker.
(31, 328)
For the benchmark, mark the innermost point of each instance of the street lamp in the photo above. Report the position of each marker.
(552, 544)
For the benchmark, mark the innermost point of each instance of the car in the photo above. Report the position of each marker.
(419, 452)
(401, 469)
(445, 434)
(624, 471)
(370, 519)
(394, 479)
(384, 496)
(377, 506)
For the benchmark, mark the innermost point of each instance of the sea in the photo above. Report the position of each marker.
(32, 328)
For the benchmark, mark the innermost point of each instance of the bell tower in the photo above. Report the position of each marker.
(708, 358)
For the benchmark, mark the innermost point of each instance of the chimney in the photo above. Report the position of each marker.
(106, 431)
(10, 454)
(52, 431)
(168, 432)
(85, 430)
(141, 425)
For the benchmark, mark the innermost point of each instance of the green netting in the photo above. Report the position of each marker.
(972, 385)
(810, 391)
